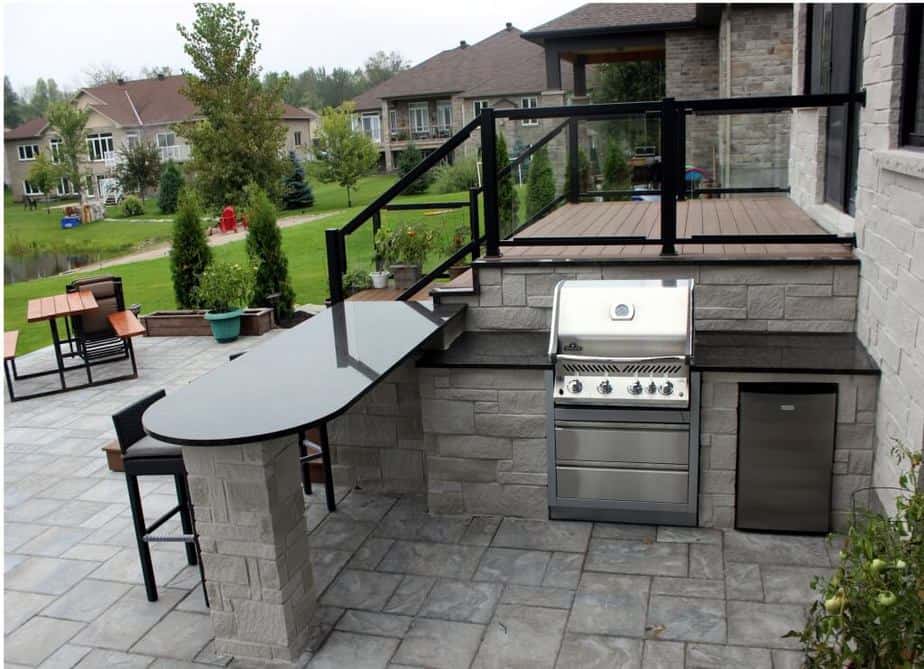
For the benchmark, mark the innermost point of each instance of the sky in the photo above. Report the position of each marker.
(62, 39)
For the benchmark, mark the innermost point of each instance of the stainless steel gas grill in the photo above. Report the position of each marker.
(623, 403)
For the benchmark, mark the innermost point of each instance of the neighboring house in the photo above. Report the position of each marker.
(429, 102)
(709, 50)
(122, 114)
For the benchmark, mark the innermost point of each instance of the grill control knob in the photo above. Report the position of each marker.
(652, 388)
(605, 387)
(667, 388)
(575, 386)
(635, 388)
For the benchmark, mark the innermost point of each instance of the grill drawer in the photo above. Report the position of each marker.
(632, 485)
(624, 444)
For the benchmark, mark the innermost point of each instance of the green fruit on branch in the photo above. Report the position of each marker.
(901, 564)
(878, 566)
(835, 604)
(886, 599)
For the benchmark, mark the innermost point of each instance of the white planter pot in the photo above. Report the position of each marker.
(379, 279)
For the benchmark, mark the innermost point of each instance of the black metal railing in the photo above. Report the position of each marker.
(673, 128)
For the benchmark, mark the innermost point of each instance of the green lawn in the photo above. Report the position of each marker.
(149, 284)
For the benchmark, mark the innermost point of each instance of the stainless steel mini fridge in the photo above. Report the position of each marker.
(785, 456)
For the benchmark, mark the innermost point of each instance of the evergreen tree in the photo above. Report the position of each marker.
(584, 177)
(190, 254)
(508, 204)
(264, 246)
(615, 168)
(540, 184)
(171, 182)
(296, 191)
(406, 162)
(13, 112)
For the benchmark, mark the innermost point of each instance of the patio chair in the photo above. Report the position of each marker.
(96, 337)
(143, 455)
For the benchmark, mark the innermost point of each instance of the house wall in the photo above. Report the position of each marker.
(302, 151)
(755, 58)
(794, 297)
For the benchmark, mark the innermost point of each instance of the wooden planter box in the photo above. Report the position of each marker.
(190, 323)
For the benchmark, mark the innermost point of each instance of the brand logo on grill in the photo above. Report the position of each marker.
(573, 346)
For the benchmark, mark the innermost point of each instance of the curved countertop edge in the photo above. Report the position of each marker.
(491, 350)
(450, 313)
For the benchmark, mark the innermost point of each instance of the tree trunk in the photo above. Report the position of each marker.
(349, 201)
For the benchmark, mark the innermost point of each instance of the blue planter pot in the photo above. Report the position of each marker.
(226, 325)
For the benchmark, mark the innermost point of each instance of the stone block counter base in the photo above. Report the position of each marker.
(251, 522)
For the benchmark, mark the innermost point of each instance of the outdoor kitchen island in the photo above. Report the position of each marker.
(239, 427)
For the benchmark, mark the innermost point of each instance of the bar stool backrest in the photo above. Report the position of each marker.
(127, 422)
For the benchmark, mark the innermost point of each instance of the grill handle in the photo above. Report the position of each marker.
(591, 358)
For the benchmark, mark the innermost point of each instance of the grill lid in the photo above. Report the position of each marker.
(622, 318)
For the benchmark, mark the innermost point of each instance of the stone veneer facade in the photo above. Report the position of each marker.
(889, 224)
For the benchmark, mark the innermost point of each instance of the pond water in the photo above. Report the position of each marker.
(18, 268)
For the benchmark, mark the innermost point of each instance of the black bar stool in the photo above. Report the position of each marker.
(143, 455)
(308, 452)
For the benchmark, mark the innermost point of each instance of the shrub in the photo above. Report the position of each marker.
(171, 183)
(615, 167)
(870, 612)
(190, 253)
(132, 206)
(356, 280)
(264, 247)
(296, 192)
(455, 240)
(225, 286)
(406, 245)
(406, 162)
(508, 204)
(460, 175)
(585, 180)
(540, 184)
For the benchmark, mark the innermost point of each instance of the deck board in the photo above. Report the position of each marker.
(730, 216)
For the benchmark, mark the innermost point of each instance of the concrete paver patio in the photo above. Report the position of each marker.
(397, 586)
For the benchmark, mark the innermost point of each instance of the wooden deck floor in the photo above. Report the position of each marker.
(767, 215)
(463, 281)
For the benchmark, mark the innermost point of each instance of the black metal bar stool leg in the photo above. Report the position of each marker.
(144, 551)
(182, 494)
(328, 471)
(305, 464)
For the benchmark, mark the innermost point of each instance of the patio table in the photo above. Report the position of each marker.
(238, 425)
(51, 309)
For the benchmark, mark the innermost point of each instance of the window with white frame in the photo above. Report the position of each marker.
(132, 140)
(166, 139)
(478, 105)
(393, 120)
(529, 103)
(30, 189)
(55, 149)
(444, 114)
(65, 187)
(420, 116)
(28, 151)
(99, 145)
(297, 137)
(90, 187)
(370, 124)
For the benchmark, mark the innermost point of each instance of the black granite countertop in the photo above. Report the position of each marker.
(300, 377)
(714, 352)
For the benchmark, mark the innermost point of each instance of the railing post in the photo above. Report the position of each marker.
(669, 151)
(489, 175)
(376, 226)
(335, 265)
(473, 222)
(681, 154)
(574, 178)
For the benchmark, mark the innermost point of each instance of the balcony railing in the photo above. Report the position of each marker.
(405, 134)
(177, 152)
(670, 185)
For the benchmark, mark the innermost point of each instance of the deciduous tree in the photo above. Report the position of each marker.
(239, 136)
(139, 168)
(69, 124)
(43, 174)
(98, 74)
(12, 105)
(345, 154)
(382, 66)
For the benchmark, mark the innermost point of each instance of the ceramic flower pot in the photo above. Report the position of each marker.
(226, 325)
(379, 279)
(405, 275)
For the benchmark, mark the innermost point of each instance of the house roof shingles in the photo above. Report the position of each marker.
(139, 103)
(618, 15)
(502, 63)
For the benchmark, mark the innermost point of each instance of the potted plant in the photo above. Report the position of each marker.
(451, 245)
(379, 278)
(404, 250)
(355, 281)
(224, 290)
